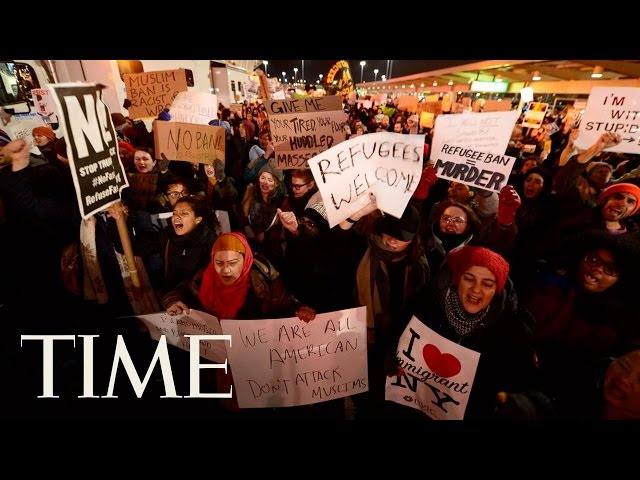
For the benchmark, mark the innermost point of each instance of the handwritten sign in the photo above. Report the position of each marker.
(387, 164)
(305, 127)
(44, 105)
(484, 132)
(438, 373)
(286, 362)
(174, 328)
(98, 174)
(189, 142)
(194, 107)
(22, 125)
(614, 110)
(472, 167)
(151, 92)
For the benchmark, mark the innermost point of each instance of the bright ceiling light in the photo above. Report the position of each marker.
(597, 72)
(536, 75)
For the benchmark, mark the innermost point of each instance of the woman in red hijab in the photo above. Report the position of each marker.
(236, 285)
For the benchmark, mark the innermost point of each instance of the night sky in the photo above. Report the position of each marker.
(312, 68)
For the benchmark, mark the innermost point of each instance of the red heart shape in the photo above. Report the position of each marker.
(442, 364)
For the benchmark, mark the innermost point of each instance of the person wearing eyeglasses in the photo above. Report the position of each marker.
(582, 300)
(304, 191)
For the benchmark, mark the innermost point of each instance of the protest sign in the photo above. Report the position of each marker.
(473, 167)
(22, 125)
(486, 132)
(45, 106)
(151, 92)
(304, 127)
(189, 142)
(386, 164)
(286, 362)
(535, 114)
(174, 328)
(437, 375)
(98, 174)
(194, 107)
(612, 109)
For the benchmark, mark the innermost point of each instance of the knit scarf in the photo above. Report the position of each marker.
(373, 278)
(224, 301)
(459, 319)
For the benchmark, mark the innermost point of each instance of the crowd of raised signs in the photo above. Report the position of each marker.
(540, 278)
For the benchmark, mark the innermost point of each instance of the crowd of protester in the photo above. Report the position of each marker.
(539, 278)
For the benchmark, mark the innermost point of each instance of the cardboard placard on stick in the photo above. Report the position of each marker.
(189, 142)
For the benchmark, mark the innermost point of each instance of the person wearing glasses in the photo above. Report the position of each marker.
(304, 191)
(582, 302)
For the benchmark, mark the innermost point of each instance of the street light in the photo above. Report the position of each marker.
(362, 64)
(265, 66)
(295, 74)
(375, 73)
(320, 75)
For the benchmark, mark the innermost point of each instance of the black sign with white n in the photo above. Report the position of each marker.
(92, 146)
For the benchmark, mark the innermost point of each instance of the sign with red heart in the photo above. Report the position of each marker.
(438, 382)
(443, 364)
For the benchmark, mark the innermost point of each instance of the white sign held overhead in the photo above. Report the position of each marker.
(386, 164)
(486, 132)
(615, 110)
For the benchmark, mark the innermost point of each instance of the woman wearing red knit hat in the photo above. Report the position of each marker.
(480, 311)
(45, 140)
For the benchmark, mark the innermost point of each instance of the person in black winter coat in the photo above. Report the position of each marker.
(480, 311)
(186, 249)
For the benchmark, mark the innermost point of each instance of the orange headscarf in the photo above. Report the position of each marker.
(224, 301)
